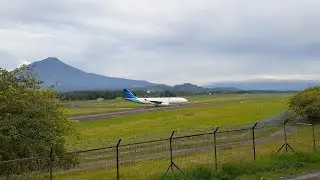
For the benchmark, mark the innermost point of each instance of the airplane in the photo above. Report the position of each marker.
(160, 101)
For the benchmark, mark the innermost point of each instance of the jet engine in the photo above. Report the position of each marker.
(164, 103)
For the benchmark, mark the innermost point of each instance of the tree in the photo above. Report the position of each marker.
(168, 93)
(31, 119)
(307, 104)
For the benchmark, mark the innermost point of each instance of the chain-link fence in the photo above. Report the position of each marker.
(147, 160)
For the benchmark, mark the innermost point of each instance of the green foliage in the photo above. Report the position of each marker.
(268, 164)
(32, 120)
(93, 95)
(168, 94)
(307, 104)
(89, 95)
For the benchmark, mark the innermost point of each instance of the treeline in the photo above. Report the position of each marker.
(89, 95)
(94, 95)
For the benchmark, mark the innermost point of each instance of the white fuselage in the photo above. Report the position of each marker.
(164, 100)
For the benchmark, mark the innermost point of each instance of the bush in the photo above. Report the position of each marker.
(307, 104)
(32, 121)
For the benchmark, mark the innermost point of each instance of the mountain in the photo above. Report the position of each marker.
(155, 88)
(262, 84)
(188, 87)
(52, 71)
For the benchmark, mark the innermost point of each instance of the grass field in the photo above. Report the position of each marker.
(119, 102)
(250, 170)
(150, 169)
(92, 107)
(221, 97)
(159, 124)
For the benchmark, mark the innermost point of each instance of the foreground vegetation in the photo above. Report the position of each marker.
(151, 169)
(31, 119)
(307, 104)
(267, 165)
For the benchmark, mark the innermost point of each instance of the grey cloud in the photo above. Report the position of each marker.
(165, 41)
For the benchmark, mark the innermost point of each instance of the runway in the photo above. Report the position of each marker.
(90, 117)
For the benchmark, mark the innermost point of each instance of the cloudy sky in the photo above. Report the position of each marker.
(167, 41)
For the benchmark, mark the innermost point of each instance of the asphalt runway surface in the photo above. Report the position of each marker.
(312, 175)
(90, 117)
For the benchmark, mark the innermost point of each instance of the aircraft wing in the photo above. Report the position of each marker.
(160, 102)
(156, 102)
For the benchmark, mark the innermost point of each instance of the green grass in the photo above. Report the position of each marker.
(179, 144)
(222, 97)
(82, 107)
(159, 124)
(94, 107)
(154, 125)
(116, 103)
(237, 155)
(285, 172)
(121, 103)
(229, 171)
(212, 98)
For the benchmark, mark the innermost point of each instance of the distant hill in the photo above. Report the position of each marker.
(52, 71)
(262, 84)
(188, 87)
(224, 89)
(64, 77)
(155, 88)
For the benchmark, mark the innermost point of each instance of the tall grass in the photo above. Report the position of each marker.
(228, 171)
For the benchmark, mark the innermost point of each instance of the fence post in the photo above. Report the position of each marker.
(215, 148)
(253, 141)
(314, 138)
(286, 145)
(285, 134)
(171, 151)
(172, 164)
(50, 164)
(118, 153)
